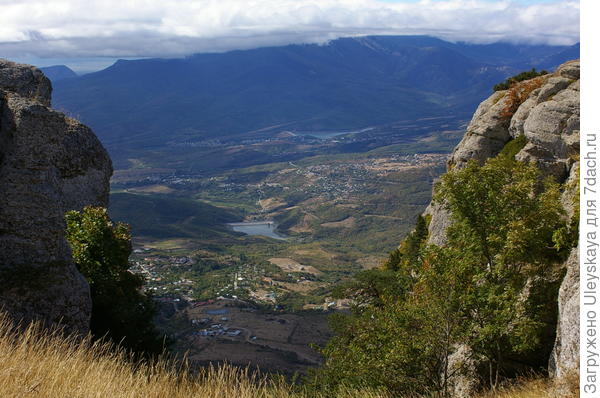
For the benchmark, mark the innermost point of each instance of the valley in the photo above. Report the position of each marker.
(257, 181)
(323, 218)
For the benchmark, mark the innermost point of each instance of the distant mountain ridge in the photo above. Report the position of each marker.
(347, 84)
(58, 72)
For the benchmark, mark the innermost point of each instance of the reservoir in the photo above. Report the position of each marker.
(264, 228)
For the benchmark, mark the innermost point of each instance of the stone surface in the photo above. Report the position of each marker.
(49, 164)
(25, 81)
(465, 366)
(486, 134)
(549, 119)
(564, 361)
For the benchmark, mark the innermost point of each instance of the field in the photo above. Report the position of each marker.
(239, 333)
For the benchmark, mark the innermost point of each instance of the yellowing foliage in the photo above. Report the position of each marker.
(518, 93)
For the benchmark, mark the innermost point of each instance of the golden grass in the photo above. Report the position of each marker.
(36, 363)
(538, 388)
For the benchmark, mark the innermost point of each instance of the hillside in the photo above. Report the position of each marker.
(345, 85)
(161, 217)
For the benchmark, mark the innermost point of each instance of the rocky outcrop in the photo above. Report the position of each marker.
(549, 120)
(49, 164)
(564, 361)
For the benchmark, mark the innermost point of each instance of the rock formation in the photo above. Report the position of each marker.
(49, 164)
(548, 117)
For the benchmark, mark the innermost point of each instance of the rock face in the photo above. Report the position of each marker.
(49, 164)
(549, 119)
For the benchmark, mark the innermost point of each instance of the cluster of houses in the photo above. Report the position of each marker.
(216, 329)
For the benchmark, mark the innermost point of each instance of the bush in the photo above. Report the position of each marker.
(508, 83)
(120, 310)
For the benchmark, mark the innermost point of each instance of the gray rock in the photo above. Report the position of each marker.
(549, 119)
(439, 221)
(518, 120)
(26, 81)
(564, 361)
(49, 164)
(552, 86)
(464, 367)
(486, 134)
(570, 70)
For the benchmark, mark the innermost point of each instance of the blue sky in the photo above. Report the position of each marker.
(91, 34)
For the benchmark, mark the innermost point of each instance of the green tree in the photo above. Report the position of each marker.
(503, 225)
(410, 248)
(401, 342)
(121, 311)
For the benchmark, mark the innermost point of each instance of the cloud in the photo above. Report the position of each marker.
(151, 28)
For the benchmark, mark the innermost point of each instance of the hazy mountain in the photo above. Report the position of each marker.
(58, 72)
(346, 84)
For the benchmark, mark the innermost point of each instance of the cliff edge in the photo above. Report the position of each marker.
(545, 111)
(49, 164)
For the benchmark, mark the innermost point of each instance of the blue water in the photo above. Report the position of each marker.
(217, 312)
(257, 228)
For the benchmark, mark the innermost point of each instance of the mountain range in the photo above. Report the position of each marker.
(347, 84)
(58, 72)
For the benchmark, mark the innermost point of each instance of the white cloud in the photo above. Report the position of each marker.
(142, 28)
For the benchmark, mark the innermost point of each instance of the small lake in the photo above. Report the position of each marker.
(263, 228)
(222, 311)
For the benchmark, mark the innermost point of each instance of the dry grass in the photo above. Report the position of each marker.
(537, 388)
(36, 363)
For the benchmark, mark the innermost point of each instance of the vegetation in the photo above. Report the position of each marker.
(34, 362)
(165, 216)
(518, 93)
(490, 288)
(508, 83)
(120, 310)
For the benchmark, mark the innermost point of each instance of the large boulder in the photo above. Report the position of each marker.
(49, 164)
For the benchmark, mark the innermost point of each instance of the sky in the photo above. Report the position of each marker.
(91, 34)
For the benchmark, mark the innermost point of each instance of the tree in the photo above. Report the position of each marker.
(410, 248)
(121, 311)
(401, 342)
(504, 220)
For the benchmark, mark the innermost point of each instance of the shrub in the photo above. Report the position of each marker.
(530, 74)
(518, 93)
